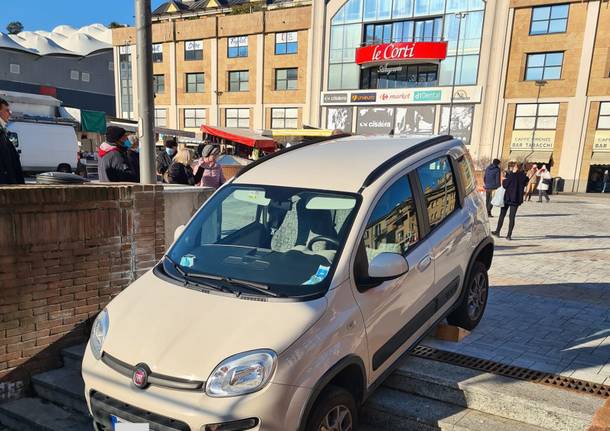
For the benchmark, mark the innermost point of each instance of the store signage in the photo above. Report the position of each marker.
(335, 98)
(428, 96)
(401, 52)
(384, 68)
(375, 121)
(392, 97)
(601, 143)
(364, 97)
(541, 140)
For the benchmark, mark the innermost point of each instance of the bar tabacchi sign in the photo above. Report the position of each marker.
(401, 52)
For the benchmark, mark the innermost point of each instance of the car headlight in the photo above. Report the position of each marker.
(98, 333)
(242, 374)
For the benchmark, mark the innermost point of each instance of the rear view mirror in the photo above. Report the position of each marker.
(387, 266)
(179, 231)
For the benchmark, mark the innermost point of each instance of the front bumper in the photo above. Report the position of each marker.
(277, 407)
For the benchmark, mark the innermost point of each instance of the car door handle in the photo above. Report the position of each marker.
(424, 263)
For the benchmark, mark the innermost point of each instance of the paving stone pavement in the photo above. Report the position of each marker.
(549, 302)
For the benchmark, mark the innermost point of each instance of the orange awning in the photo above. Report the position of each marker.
(242, 136)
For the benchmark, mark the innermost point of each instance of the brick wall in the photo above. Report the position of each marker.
(64, 253)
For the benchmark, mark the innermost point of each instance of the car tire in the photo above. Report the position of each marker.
(335, 406)
(469, 312)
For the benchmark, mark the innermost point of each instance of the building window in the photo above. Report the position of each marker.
(603, 122)
(126, 82)
(284, 118)
(194, 82)
(541, 116)
(160, 117)
(193, 50)
(157, 53)
(75, 75)
(343, 72)
(239, 118)
(238, 80)
(549, 19)
(237, 47)
(286, 79)
(286, 43)
(85, 77)
(15, 69)
(194, 118)
(544, 66)
(428, 30)
(416, 75)
(159, 84)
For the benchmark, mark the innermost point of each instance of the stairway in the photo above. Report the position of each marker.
(59, 404)
(426, 395)
(421, 395)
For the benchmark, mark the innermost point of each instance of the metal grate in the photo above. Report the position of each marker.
(519, 373)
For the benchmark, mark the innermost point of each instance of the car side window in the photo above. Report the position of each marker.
(465, 166)
(393, 225)
(438, 185)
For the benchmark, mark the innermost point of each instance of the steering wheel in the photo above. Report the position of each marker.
(322, 238)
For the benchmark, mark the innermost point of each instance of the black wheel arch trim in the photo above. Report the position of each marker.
(474, 258)
(326, 378)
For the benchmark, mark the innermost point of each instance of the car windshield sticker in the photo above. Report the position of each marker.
(319, 276)
(188, 261)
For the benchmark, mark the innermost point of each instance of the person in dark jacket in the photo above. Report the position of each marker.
(133, 154)
(515, 182)
(165, 157)
(181, 172)
(491, 183)
(113, 162)
(10, 165)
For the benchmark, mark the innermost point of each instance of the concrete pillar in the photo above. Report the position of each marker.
(213, 117)
(258, 122)
(316, 63)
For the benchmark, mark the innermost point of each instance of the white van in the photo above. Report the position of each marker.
(43, 146)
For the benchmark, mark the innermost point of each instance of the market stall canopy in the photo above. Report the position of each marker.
(241, 136)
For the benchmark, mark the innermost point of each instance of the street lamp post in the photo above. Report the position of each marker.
(145, 92)
(459, 16)
(539, 83)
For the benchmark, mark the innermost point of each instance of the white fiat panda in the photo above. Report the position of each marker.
(295, 289)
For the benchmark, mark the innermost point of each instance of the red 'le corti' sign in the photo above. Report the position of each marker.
(401, 52)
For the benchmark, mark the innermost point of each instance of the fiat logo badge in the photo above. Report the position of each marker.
(140, 376)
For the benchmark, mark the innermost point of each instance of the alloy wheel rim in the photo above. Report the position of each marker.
(339, 418)
(477, 296)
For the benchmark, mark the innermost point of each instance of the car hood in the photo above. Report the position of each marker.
(183, 333)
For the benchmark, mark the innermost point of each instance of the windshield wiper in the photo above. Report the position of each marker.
(186, 275)
(258, 287)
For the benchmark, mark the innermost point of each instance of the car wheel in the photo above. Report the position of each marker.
(335, 410)
(470, 311)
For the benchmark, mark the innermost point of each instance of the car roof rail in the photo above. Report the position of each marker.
(394, 160)
(308, 142)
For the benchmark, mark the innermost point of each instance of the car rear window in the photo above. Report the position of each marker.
(467, 174)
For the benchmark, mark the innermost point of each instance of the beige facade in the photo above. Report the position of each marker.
(182, 106)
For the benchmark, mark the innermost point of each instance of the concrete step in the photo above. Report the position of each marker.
(73, 356)
(531, 403)
(64, 387)
(35, 414)
(392, 410)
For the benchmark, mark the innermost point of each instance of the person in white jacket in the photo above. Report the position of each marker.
(544, 183)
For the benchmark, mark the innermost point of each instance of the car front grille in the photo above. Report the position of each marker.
(104, 406)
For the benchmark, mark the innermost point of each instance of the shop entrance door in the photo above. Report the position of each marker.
(596, 182)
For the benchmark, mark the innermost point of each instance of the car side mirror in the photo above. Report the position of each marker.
(387, 266)
(179, 231)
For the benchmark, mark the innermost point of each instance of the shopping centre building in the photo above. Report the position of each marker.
(527, 80)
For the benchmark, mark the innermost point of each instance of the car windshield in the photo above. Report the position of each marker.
(254, 238)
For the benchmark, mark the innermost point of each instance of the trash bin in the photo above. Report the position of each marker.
(60, 178)
(557, 185)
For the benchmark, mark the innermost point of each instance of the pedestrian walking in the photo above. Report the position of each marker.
(491, 181)
(606, 179)
(211, 171)
(113, 162)
(514, 184)
(533, 182)
(544, 183)
(165, 157)
(180, 171)
(10, 164)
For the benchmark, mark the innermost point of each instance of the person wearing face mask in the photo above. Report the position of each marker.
(10, 165)
(165, 157)
(113, 161)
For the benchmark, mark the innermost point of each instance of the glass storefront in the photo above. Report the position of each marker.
(366, 22)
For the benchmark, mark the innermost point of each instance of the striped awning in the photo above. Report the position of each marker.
(600, 158)
(533, 157)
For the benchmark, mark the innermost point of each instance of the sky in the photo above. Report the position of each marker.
(48, 14)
